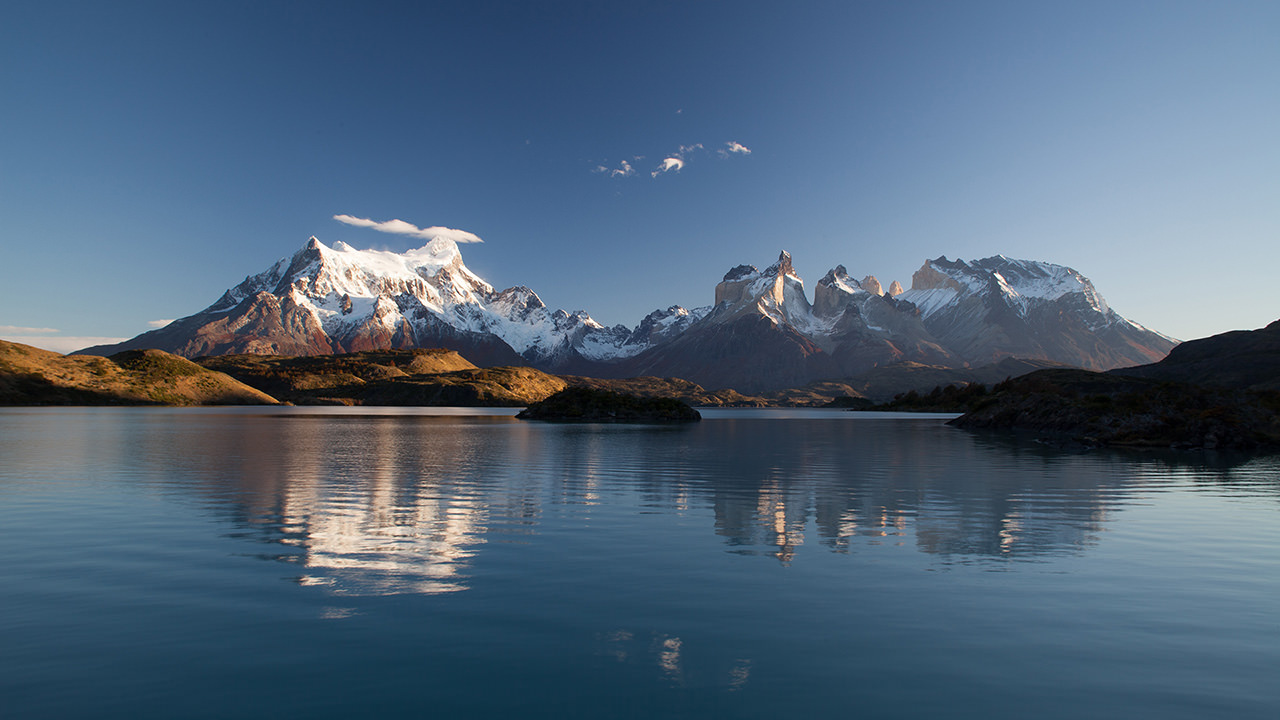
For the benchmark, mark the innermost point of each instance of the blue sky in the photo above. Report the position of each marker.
(154, 154)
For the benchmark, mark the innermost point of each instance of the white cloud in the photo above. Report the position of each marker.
(400, 227)
(624, 169)
(61, 344)
(674, 161)
(158, 323)
(17, 329)
(669, 164)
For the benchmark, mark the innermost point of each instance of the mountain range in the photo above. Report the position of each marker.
(761, 332)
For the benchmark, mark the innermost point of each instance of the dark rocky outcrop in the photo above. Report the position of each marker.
(1219, 393)
(587, 405)
(1241, 359)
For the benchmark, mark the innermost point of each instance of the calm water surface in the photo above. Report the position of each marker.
(159, 563)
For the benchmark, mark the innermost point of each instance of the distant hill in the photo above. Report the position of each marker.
(884, 383)
(434, 377)
(31, 376)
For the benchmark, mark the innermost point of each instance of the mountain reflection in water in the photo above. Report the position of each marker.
(347, 562)
(370, 505)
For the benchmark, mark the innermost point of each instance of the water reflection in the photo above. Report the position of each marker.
(370, 505)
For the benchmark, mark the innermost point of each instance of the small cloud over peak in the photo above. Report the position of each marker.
(734, 148)
(158, 323)
(400, 227)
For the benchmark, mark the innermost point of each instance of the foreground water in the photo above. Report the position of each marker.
(324, 563)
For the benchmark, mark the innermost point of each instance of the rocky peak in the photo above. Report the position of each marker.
(776, 287)
(895, 289)
(872, 285)
(929, 277)
(520, 298)
(838, 277)
(782, 267)
(740, 272)
(834, 292)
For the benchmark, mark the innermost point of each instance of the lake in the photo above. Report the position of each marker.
(335, 562)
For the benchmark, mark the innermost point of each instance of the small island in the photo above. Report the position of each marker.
(587, 405)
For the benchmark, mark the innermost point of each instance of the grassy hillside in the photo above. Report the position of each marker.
(333, 378)
(31, 376)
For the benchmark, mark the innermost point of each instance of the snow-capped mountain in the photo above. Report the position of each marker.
(999, 307)
(761, 333)
(339, 299)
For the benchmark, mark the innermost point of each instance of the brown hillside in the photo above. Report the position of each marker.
(31, 376)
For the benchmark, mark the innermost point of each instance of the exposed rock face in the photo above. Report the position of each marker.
(872, 285)
(835, 292)
(895, 289)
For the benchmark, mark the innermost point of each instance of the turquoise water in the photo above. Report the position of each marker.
(336, 563)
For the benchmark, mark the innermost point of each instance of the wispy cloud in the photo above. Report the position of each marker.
(624, 169)
(400, 227)
(674, 161)
(59, 344)
(19, 330)
(158, 323)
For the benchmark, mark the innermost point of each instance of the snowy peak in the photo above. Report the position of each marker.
(366, 298)
(1020, 284)
(662, 325)
(837, 278)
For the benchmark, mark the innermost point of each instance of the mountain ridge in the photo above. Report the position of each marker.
(761, 333)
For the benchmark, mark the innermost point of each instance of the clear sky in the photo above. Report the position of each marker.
(154, 154)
